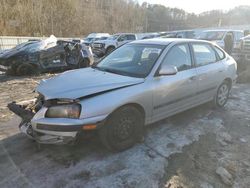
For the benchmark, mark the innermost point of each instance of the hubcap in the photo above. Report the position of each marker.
(124, 129)
(222, 94)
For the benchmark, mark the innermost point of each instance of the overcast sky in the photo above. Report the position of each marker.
(198, 6)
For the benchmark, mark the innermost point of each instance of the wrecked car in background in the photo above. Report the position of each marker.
(138, 84)
(46, 55)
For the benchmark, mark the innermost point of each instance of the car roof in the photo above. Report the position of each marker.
(165, 41)
(94, 35)
(124, 34)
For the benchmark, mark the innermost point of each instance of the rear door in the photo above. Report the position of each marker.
(210, 70)
(175, 93)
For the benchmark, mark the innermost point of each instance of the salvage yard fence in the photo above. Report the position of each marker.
(7, 42)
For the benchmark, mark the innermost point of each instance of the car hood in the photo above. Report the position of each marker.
(81, 83)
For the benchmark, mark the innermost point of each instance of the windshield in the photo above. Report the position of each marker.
(212, 35)
(19, 46)
(131, 60)
(113, 37)
(89, 39)
(34, 47)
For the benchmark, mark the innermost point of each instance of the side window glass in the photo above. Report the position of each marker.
(239, 35)
(220, 53)
(204, 54)
(130, 37)
(179, 56)
(122, 38)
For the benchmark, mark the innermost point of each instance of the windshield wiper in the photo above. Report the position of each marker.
(110, 70)
(114, 71)
(117, 72)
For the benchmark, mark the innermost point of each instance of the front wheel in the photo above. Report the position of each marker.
(222, 95)
(25, 69)
(84, 63)
(122, 129)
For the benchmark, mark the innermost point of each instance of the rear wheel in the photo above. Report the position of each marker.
(122, 129)
(25, 69)
(222, 94)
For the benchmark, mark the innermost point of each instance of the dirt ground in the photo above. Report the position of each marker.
(202, 147)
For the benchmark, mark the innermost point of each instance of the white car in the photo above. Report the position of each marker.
(95, 37)
(105, 47)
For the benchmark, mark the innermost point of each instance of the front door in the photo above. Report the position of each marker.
(175, 93)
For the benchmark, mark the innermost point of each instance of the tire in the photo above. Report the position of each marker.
(222, 94)
(25, 69)
(84, 63)
(122, 129)
(13, 70)
(109, 50)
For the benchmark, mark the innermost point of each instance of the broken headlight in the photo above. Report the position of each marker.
(64, 111)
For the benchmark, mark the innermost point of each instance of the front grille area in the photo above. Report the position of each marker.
(97, 45)
(246, 45)
(59, 128)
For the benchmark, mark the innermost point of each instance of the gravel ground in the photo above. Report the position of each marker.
(202, 147)
(15, 89)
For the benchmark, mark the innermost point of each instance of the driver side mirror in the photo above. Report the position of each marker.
(167, 70)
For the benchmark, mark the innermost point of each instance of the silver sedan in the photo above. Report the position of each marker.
(138, 84)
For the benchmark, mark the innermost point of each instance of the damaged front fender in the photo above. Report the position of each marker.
(27, 110)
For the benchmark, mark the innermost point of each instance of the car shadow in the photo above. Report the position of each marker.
(22, 148)
(19, 154)
(186, 117)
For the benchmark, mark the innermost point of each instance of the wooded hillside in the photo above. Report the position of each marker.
(69, 18)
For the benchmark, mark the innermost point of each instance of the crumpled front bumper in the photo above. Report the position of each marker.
(52, 130)
(42, 138)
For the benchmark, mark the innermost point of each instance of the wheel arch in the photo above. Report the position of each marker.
(139, 107)
(35, 67)
(229, 81)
